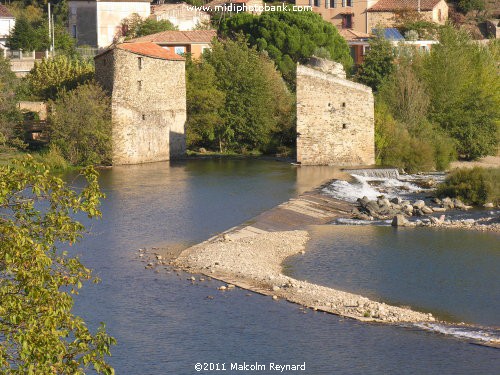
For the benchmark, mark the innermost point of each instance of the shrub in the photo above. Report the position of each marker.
(50, 76)
(80, 125)
(472, 186)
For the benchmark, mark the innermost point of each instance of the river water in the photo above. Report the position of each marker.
(165, 325)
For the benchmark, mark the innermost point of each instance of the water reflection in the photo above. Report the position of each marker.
(164, 325)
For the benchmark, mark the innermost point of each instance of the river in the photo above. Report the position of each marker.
(165, 325)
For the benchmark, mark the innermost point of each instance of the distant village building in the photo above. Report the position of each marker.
(147, 86)
(235, 6)
(7, 23)
(182, 42)
(181, 15)
(363, 16)
(96, 23)
(335, 117)
(384, 12)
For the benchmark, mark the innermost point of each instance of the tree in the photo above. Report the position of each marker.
(204, 105)
(38, 332)
(52, 75)
(378, 63)
(466, 6)
(464, 86)
(135, 26)
(25, 36)
(150, 26)
(249, 81)
(289, 37)
(80, 125)
(9, 114)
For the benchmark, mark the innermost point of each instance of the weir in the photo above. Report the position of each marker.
(375, 172)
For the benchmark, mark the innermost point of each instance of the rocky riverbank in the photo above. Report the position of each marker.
(255, 262)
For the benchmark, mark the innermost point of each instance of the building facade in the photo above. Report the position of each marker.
(344, 14)
(384, 13)
(193, 42)
(7, 23)
(147, 86)
(335, 117)
(181, 15)
(96, 23)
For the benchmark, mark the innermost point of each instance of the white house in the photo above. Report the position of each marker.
(182, 15)
(7, 22)
(97, 22)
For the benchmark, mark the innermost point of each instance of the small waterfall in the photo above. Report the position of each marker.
(385, 173)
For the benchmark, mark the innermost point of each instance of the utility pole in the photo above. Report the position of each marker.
(50, 28)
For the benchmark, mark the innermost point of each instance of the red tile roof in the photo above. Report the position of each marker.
(394, 5)
(4, 12)
(175, 36)
(350, 34)
(151, 50)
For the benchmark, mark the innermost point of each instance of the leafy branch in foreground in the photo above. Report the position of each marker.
(38, 332)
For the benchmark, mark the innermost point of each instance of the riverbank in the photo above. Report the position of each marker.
(250, 256)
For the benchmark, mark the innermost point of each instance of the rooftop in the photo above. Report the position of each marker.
(350, 34)
(176, 36)
(147, 49)
(4, 12)
(394, 5)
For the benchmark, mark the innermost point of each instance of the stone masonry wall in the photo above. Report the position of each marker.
(148, 106)
(335, 120)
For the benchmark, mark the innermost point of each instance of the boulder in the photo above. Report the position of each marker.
(438, 209)
(447, 203)
(489, 205)
(396, 200)
(399, 221)
(436, 200)
(419, 204)
(426, 210)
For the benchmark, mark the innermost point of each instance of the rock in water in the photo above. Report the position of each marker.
(399, 221)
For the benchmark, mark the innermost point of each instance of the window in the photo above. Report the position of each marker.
(73, 31)
(139, 85)
(440, 16)
(143, 117)
(366, 49)
(344, 126)
(343, 105)
(349, 3)
(139, 63)
(347, 21)
(343, 3)
(333, 3)
(180, 50)
(317, 3)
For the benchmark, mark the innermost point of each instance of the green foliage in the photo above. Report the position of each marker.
(135, 26)
(150, 26)
(52, 158)
(9, 114)
(466, 6)
(289, 37)
(473, 186)
(38, 332)
(250, 106)
(31, 33)
(464, 86)
(52, 75)
(80, 125)
(378, 63)
(205, 103)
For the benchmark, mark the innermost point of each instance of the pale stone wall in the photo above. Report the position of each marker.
(148, 106)
(111, 14)
(440, 13)
(97, 22)
(335, 120)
